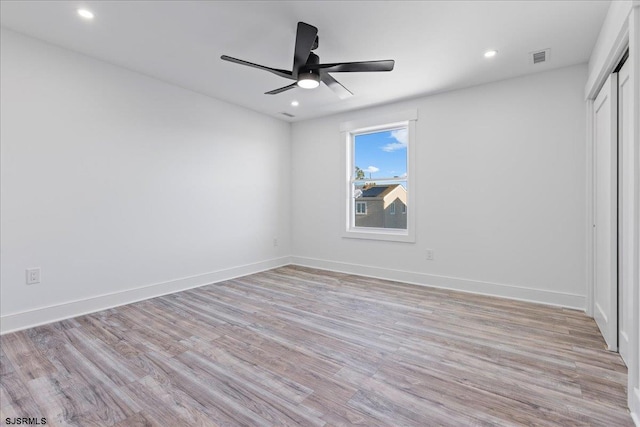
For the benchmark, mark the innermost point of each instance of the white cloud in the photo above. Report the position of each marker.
(401, 136)
(371, 169)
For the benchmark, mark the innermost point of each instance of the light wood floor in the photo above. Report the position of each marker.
(296, 346)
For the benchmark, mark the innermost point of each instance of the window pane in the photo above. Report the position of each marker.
(379, 185)
(382, 201)
(380, 155)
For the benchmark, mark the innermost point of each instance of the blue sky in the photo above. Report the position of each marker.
(382, 154)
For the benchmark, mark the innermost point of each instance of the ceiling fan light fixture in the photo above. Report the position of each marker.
(309, 80)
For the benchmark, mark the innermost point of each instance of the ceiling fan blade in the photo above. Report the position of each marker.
(282, 89)
(305, 39)
(282, 73)
(336, 86)
(355, 67)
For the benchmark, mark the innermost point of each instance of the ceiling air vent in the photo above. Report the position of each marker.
(540, 56)
(287, 114)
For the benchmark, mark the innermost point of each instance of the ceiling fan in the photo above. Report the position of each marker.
(307, 70)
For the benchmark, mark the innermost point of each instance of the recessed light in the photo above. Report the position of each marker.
(294, 103)
(86, 14)
(490, 53)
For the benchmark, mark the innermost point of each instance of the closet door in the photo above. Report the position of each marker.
(605, 292)
(626, 223)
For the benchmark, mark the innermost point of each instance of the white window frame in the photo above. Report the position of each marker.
(392, 208)
(379, 124)
(364, 211)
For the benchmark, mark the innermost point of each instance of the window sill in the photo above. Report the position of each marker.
(383, 234)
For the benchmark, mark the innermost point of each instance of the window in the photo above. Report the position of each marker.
(379, 159)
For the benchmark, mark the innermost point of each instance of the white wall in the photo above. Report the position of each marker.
(500, 184)
(113, 182)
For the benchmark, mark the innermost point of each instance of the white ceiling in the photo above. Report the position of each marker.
(437, 45)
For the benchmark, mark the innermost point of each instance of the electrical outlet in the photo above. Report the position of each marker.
(33, 276)
(275, 242)
(429, 254)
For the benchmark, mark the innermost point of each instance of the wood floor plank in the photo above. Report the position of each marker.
(300, 346)
(139, 420)
(490, 407)
(337, 413)
(102, 356)
(374, 394)
(260, 399)
(25, 356)
(90, 405)
(289, 390)
(209, 393)
(166, 404)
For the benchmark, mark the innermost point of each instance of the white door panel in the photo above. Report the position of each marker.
(625, 224)
(605, 215)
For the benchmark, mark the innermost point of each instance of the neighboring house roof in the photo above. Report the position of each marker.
(379, 191)
(386, 193)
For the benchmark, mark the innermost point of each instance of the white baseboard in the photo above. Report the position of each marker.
(560, 299)
(40, 316)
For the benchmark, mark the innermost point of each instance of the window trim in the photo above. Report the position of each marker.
(392, 208)
(373, 124)
(364, 211)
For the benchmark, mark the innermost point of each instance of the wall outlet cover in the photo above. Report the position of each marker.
(429, 254)
(33, 276)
